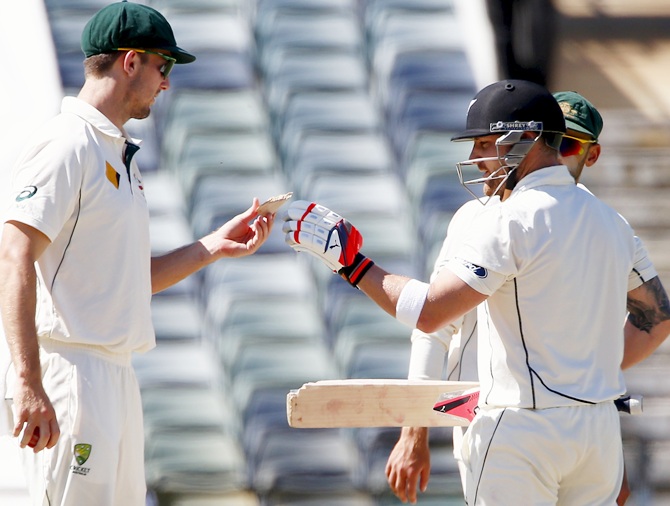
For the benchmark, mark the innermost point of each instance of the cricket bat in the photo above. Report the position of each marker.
(394, 403)
(379, 403)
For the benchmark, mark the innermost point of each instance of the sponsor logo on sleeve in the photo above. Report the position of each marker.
(477, 270)
(26, 193)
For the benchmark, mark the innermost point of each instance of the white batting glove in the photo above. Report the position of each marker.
(326, 235)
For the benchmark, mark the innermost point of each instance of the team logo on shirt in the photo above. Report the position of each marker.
(81, 454)
(26, 193)
(478, 271)
(113, 176)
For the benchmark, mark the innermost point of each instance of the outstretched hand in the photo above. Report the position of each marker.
(239, 238)
(235, 238)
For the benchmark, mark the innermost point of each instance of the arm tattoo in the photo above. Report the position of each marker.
(655, 308)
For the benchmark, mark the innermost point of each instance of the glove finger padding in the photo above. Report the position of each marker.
(319, 231)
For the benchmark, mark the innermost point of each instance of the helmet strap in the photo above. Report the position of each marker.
(511, 181)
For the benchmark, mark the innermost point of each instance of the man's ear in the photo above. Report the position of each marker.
(130, 62)
(592, 155)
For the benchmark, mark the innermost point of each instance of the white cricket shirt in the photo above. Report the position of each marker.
(556, 264)
(457, 340)
(95, 277)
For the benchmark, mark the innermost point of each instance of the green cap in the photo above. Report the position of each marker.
(126, 24)
(580, 114)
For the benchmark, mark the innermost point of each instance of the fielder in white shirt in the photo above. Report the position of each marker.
(77, 272)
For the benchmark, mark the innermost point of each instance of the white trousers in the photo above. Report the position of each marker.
(557, 456)
(99, 458)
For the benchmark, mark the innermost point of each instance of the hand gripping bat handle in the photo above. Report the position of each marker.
(631, 404)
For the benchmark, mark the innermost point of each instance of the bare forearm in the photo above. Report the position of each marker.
(20, 248)
(172, 267)
(448, 297)
(639, 344)
(17, 307)
(417, 436)
(383, 288)
(236, 238)
(648, 323)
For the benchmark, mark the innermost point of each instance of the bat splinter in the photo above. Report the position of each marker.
(272, 205)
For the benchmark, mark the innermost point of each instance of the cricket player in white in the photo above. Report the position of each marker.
(408, 466)
(553, 265)
(78, 275)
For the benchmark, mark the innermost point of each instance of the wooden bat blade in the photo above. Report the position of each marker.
(372, 403)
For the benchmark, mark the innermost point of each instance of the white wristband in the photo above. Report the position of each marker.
(411, 301)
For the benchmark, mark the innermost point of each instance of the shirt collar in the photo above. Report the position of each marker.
(556, 175)
(93, 116)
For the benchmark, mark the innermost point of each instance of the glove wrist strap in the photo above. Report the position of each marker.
(359, 267)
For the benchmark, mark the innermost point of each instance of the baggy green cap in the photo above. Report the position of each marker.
(127, 24)
(580, 114)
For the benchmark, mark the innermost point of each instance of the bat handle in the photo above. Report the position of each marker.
(631, 404)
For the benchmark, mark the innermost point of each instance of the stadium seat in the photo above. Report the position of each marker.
(285, 320)
(264, 366)
(324, 112)
(337, 154)
(279, 274)
(175, 410)
(304, 71)
(202, 461)
(313, 462)
(216, 199)
(187, 365)
(219, 153)
(176, 318)
(191, 110)
(233, 498)
(303, 29)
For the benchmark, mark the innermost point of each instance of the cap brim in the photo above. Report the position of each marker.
(570, 125)
(471, 134)
(180, 55)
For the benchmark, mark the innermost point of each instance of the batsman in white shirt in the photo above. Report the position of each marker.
(408, 467)
(555, 271)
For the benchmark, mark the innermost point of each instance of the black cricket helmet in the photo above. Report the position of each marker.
(510, 108)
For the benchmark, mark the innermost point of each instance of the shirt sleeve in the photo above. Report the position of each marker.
(643, 269)
(485, 259)
(45, 185)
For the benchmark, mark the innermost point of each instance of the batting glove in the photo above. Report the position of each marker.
(326, 235)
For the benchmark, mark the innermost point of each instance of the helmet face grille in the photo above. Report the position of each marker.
(512, 105)
(509, 161)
